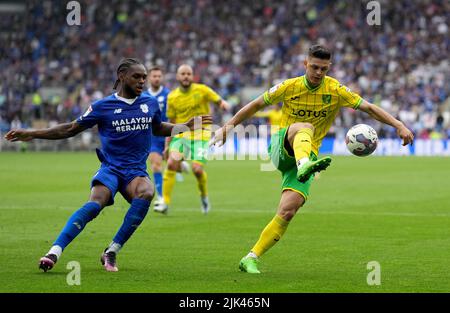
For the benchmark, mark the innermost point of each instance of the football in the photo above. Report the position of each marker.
(361, 140)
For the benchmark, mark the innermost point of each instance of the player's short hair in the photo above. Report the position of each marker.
(124, 66)
(320, 52)
(155, 68)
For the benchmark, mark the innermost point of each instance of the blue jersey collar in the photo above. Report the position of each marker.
(127, 101)
(155, 93)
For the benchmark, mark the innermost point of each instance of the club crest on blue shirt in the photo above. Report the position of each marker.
(144, 108)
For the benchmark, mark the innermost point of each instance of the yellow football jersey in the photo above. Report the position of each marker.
(317, 106)
(184, 105)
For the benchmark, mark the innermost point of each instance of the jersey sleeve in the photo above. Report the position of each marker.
(262, 114)
(348, 98)
(275, 94)
(211, 95)
(91, 117)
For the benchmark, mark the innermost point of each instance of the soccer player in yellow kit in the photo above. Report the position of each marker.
(310, 105)
(189, 100)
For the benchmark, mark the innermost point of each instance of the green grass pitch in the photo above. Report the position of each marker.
(393, 210)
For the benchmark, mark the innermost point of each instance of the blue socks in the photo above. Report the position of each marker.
(158, 182)
(134, 217)
(76, 223)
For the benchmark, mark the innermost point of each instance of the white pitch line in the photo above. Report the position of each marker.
(325, 212)
(181, 209)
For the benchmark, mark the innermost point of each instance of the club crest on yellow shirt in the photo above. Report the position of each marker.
(326, 99)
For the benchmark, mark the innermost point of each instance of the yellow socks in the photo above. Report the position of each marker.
(168, 183)
(270, 235)
(202, 184)
(302, 144)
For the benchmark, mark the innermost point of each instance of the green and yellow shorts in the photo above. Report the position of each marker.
(195, 150)
(285, 163)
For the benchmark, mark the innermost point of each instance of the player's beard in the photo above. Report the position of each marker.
(133, 92)
(155, 87)
(186, 84)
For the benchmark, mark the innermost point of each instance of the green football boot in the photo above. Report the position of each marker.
(249, 265)
(305, 171)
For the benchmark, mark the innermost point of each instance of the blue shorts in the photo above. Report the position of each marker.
(157, 144)
(116, 180)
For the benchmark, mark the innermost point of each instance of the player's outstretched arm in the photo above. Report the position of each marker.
(168, 129)
(381, 115)
(223, 105)
(243, 114)
(60, 131)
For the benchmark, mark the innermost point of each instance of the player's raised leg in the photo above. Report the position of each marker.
(300, 137)
(290, 202)
(100, 195)
(139, 192)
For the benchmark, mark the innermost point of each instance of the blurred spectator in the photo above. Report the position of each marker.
(16, 123)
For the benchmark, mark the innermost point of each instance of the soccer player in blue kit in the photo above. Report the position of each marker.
(125, 121)
(157, 90)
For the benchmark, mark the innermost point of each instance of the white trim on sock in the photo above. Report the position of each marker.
(56, 250)
(302, 161)
(114, 247)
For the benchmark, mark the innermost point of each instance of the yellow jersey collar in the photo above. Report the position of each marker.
(309, 87)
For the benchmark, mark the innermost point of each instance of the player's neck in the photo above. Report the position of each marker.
(310, 84)
(124, 94)
(155, 89)
(185, 89)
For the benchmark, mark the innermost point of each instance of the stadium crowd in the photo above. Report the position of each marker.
(401, 64)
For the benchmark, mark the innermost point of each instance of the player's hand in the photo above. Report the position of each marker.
(19, 135)
(198, 122)
(406, 135)
(166, 153)
(220, 136)
(224, 105)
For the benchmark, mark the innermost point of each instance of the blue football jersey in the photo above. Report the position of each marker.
(124, 126)
(161, 97)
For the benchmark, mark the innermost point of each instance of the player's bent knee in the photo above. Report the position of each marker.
(288, 214)
(146, 196)
(297, 126)
(197, 169)
(102, 201)
(173, 165)
(156, 168)
(290, 203)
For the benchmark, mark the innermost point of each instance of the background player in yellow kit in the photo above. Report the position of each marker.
(273, 116)
(310, 104)
(189, 100)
